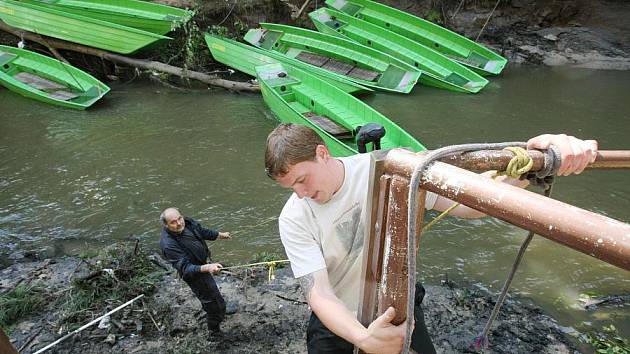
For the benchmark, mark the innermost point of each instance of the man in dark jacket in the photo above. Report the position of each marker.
(183, 245)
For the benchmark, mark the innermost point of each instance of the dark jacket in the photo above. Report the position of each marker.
(188, 251)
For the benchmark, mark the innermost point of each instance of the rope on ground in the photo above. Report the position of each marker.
(270, 264)
(487, 20)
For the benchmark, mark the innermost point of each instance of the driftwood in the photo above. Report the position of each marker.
(54, 44)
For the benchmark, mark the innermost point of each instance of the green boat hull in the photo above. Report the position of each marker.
(361, 64)
(48, 80)
(451, 44)
(30, 16)
(438, 70)
(143, 15)
(296, 96)
(245, 58)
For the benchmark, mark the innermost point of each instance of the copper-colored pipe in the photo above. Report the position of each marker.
(498, 160)
(590, 233)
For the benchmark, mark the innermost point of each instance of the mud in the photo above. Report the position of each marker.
(269, 317)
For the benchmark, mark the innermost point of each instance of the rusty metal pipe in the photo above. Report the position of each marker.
(498, 160)
(590, 233)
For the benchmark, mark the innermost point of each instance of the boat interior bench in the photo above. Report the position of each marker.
(338, 67)
(330, 126)
(54, 89)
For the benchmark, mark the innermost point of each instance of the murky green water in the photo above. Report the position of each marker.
(71, 181)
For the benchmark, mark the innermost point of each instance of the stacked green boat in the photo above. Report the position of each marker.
(298, 97)
(455, 46)
(142, 15)
(437, 69)
(245, 58)
(48, 80)
(118, 26)
(361, 64)
(306, 76)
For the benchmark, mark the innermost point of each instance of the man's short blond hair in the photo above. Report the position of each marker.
(287, 145)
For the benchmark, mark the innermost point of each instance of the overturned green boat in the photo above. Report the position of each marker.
(48, 80)
(449, 43)
(361, 64)
(32, 16)
(246, 58)
(438, 70)
(143, 15)
(345, 123)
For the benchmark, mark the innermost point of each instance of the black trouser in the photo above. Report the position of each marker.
(206, 290)
(320, 339)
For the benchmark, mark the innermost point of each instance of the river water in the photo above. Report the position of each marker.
(72, 181)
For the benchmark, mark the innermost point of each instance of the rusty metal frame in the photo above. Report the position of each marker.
(384, 258)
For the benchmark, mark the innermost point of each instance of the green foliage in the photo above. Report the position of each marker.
(219, 30)
(607, 341)
(20, 302)
(433, 16)
(120, 274)
(268, 257)
(240, 28)
(194, 44)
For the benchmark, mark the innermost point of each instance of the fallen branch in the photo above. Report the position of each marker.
(299, 13)
(290, 299)
(87, 325)
(137, 63)
(30, 340)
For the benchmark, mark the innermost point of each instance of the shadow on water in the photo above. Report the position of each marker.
(71, 181)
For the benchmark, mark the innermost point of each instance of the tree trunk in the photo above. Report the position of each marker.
(137, 63)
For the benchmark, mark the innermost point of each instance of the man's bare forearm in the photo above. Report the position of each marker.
(329, 309)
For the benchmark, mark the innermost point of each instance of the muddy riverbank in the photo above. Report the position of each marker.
(269, 317)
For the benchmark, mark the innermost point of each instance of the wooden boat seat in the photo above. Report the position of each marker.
(63, 95)
(330, 126)
(311, 58)
(363, 74)
(54, 89)
(38, 82)
(338, 67)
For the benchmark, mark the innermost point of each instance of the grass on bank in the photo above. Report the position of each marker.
(20, 302)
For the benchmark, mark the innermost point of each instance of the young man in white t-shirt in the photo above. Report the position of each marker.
(322, 227)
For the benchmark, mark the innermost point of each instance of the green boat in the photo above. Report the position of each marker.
(48, 80)
(245, 58)
(361, 64)
(32, 16)
(339, 118)
(437, 70)
(143, 15)
(453, 45)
